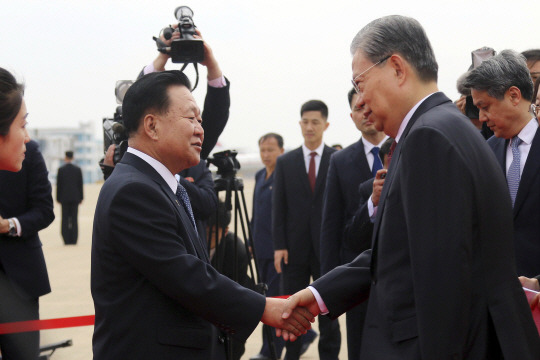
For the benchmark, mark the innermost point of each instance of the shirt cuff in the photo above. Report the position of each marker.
(217, 83)
(372, 210)
(19, 230)
(320, 302)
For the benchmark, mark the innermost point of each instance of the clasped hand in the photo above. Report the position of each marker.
(291, 317)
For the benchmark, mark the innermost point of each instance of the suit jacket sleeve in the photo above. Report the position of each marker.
(345, 286)
(332, 220)
(145, 230)
(215, 116)
(279, 208)
(39, 212)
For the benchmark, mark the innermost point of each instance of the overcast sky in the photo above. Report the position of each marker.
(277, 54)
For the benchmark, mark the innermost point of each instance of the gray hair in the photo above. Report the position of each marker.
(398, 34)
(497, 74)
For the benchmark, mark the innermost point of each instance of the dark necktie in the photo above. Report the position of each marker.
(182, 195)
(377, 164)
(391, 152)
(513, 175)
(312, 176)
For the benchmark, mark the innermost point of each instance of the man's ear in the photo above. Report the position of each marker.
(150, 127)
(400, 67)
(514, 94)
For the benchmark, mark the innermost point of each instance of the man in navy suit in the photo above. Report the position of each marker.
(348, 169)
(69, 193)
(502, 89)
(440, 275)
(26, 207)
(299, 183)
(155, 293)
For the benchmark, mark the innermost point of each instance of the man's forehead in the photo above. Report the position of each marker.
(359, 60)
(480, 97)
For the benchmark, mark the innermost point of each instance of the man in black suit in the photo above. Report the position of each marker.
(299, 182)
(440, 276)
(69, 193)
(348, 169)
(26, 207)
(155, 293)
(502, 89)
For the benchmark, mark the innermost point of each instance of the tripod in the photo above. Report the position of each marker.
(234, 189)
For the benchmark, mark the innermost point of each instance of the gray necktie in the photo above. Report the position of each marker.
(513, 175)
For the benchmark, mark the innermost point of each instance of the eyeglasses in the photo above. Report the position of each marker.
(355, 85)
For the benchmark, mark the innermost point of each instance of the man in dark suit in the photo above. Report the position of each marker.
(440, 276)
(69, 193)
(26, 207)
(155, 293)
(348, 169)
(299, 182)
(502, 89)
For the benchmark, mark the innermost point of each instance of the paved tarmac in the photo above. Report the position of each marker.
(69, 273)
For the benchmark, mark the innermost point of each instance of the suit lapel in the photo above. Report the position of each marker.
(187, 225)
(359, 159)
(147, 169)
(530, 171)
(323, 169)
(499, 149)
(432, 101)
(299, 167)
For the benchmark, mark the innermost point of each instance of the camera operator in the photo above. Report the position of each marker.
(217, 102)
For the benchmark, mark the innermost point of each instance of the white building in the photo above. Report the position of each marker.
(87, 150)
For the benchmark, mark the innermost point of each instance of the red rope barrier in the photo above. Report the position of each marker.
(35, 325)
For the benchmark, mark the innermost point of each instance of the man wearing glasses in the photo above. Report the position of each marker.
(503, 91)
(440, 277)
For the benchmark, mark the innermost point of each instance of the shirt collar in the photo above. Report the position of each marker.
(318, 150)
(529, 131)
(159, 167)
(408, 118)
(368, 146)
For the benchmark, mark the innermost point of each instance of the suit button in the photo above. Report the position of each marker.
(373, 282)
(221, 339)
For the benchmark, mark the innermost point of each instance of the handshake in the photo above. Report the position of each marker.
(291, 317)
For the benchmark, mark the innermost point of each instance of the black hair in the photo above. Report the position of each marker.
(69, 154)
(11, 96)
(532, 56)
(350, 95)
(149, 93)
(315, 105)
(385, 148)
(278, 138)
